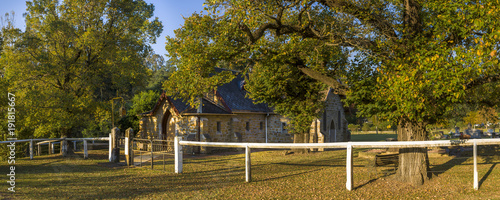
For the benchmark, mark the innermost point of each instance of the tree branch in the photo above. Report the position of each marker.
(482, 81)
(366, 15)
(334, 84)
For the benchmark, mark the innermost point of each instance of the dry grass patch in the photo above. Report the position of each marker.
(318, 175)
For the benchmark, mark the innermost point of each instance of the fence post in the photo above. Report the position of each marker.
(348, 183)
(178, 155)
(52, 148)
(74, 144)
(115, 149)
(476, 183)
(31, 149)
(110, 145)
(129, 153)
(248, 172)
(39, 153)
(152, 159)
(85, 152)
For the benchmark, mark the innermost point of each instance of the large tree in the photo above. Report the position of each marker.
(272, 67)
(409, 61)
(75, 56)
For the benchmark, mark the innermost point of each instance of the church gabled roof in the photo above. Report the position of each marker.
(234, 93)
(231, 97)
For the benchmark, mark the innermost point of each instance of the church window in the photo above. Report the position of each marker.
(218, 127)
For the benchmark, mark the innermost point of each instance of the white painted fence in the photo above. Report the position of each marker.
(51, 140)
(348, 145)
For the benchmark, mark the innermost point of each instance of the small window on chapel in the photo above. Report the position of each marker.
(218, 127)
(283, 127)
(247, 126)
(261, 125)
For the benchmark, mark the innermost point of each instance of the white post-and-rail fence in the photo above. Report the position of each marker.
(248, 146)
(348, 145)
(51, 141)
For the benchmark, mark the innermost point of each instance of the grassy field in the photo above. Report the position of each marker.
(317, 175)
(372, 136)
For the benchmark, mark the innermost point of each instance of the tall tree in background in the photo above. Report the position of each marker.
(410, 61)
(7, 30)
(159, 70)
(273, 64)
(75, 56)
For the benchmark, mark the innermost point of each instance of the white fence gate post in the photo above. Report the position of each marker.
(248, 172)
(52, 147)
(31, 149)
(178, 155)
(348, 183)
(85, 152)
(110, 146)
(476, 183)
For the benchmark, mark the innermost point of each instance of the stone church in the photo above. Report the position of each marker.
(226, 115)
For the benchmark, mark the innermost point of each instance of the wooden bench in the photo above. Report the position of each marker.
(384, 160)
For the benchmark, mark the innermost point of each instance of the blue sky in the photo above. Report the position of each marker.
(169, 12)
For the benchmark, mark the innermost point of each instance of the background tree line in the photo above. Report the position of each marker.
(73, 59)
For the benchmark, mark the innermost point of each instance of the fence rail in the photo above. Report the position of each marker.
(165, 146)
(398, 144)
(347, 145)
(50, 141)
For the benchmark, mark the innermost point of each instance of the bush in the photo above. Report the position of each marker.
(353, 127)
(366, 127)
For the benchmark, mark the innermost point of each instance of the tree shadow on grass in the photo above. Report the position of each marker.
(386, 173)
(487, 174)
(313, 164)
(486, 152)
(289, 175)
(436, 170)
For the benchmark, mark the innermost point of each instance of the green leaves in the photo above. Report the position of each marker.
(233, 35)
(74, 55)
(436, 68)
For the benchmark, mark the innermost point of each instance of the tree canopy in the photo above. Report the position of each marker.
(408, 61)
(73, 57)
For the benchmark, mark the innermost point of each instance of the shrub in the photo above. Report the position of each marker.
(366, 127)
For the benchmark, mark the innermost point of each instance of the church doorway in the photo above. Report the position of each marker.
(165, 125)
(332, 132)
(167, 132)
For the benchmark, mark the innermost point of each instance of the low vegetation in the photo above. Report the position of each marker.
(317, 175)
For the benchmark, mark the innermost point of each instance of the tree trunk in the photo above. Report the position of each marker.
(300, 138)
(68, 144)
(413, 162)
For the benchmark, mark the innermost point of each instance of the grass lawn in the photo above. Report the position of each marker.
(317, 175)
(372, 136)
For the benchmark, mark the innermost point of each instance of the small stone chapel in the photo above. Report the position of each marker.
(226, 115)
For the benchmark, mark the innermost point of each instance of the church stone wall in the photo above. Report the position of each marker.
(334, 108)
(234, 128)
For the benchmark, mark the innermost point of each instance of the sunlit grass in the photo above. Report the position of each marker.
(317, 175)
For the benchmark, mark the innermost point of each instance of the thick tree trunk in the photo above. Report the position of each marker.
(301, 138)
(413, 162)
(68, 145)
